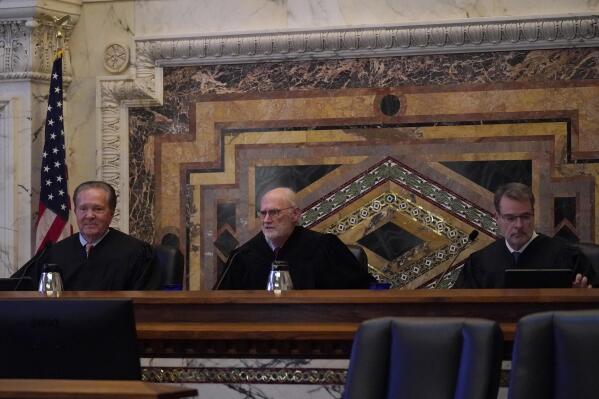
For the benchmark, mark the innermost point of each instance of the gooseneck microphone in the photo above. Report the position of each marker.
(33, 261)
(230, 260)
(471, 237)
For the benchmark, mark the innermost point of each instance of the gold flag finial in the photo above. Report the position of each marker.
(59, 23)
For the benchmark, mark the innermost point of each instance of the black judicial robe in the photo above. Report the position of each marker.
(486, 267)
(316, 261)
(118, 262)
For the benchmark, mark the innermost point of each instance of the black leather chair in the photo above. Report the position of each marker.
(591, 251)
(414, 358)
(360, 254)
(556, 355)
(169, 263)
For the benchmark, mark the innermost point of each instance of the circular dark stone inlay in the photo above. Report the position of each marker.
(390, 105)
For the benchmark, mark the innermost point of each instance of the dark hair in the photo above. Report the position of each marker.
(97, 184)
(516, 191)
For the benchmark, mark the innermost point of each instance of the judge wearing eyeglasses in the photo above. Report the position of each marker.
(521, 246)
(316, 260)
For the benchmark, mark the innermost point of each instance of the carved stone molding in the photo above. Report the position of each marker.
(27, 48)
(152, 53)
(373, 41)
(114, 96)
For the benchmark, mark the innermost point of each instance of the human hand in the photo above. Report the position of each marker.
(581, 282)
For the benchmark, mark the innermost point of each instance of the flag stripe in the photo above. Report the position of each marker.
(54, 207)
(53, 226)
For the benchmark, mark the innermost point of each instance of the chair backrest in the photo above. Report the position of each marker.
(411, 358)
(556, 355)
(169, 262)
(591, 251)
(360, 254)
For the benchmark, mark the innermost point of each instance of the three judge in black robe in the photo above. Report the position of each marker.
(316, 260)
(514, 206)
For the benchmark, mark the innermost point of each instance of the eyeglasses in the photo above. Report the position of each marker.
(273, 213)
(524, 218)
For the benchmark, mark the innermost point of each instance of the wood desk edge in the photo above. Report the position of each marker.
(334, 296)
(50, 388)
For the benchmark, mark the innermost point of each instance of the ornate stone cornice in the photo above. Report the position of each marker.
(372, 41)
(152, 53)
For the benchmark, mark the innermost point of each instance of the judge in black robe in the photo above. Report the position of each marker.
(514, 213)
(316, 261)
(117, 262)
(486, 268)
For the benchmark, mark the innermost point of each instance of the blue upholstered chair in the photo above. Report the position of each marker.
(556, 356)
(170, 264)
(414, 358)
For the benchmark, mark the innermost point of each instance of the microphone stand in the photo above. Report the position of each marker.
(227, 268)
(33, 261)
(471, 237)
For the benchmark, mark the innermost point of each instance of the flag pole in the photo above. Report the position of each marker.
(54, 203)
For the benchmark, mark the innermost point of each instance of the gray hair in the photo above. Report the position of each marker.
(287, 193)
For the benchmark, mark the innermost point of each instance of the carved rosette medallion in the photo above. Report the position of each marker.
(116, 57)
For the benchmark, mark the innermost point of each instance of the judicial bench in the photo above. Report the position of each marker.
(309, 324)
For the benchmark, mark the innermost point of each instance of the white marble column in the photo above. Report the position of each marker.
(27, 45)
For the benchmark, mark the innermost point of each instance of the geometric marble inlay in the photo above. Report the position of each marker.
(226, 242)
(567, 234)
(225, 215)
(296, 177)
(564, 208)
(410, 226)
(492, 174)
(390, 169)
(390, 241)
(234, 375)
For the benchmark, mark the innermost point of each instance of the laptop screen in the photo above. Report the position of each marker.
(538, 278)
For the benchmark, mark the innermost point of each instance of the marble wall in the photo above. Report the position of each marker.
(395, 120)
(402, 149)
(124, 22)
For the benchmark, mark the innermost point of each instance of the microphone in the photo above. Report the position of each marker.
(471, 237)
(230, 260)
(33, 261)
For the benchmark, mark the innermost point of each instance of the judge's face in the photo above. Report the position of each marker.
(516, 221)
(278, 217)
(93, 213)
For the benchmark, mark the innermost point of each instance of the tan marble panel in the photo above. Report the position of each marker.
(224, 125)
(422, 156)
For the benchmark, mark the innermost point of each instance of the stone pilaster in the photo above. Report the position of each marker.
(27, 46)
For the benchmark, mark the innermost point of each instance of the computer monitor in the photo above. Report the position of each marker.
(68, 339)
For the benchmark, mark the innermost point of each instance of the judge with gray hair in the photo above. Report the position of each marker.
(316, 260)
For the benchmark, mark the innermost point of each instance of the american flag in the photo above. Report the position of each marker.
(53, 219)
